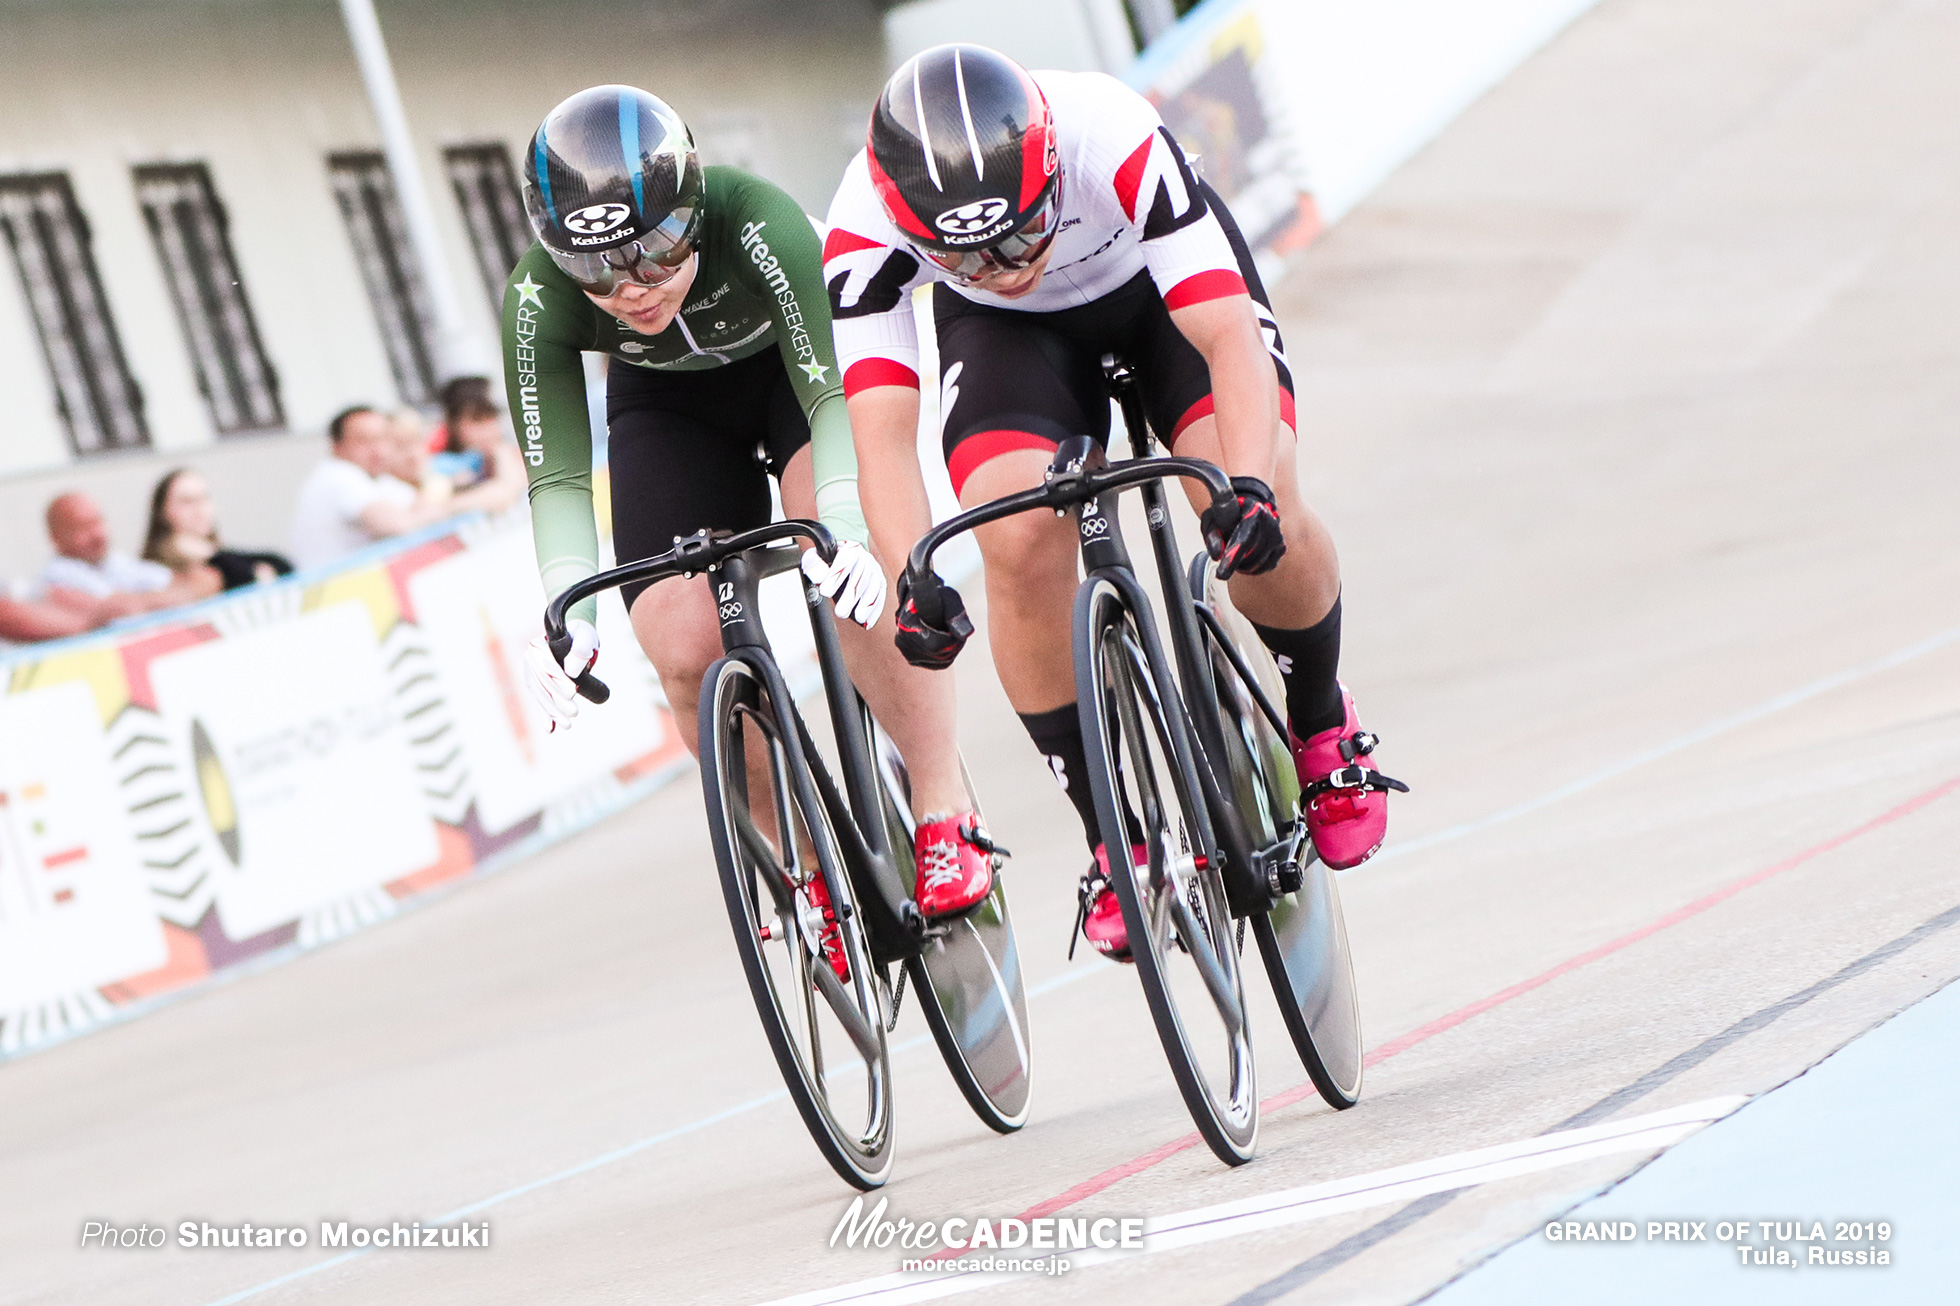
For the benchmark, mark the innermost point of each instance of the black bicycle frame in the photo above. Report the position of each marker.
(1082, 478)
(736, 566)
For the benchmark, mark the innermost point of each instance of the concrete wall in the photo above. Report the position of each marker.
(1078, 34)
(1370, 84)
(1365, 84)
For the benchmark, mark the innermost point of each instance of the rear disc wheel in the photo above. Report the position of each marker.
(1303, 938)
(968, 974)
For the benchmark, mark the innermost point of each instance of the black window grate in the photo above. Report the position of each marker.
(98, 398)
(193, 243)
(493, 210)
(366, 193)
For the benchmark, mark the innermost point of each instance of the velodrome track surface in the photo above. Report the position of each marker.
(1632, 401)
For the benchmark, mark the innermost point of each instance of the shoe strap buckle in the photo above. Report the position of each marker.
(976, 835)
(1347, 777)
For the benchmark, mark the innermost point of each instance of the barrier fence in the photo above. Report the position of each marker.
(274, 768)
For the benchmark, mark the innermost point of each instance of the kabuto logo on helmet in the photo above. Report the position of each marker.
(597, 219)
(971, 219)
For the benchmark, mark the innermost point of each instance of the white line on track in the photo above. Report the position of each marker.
(1066, 978)
(1722, 726)
(1647, 1133)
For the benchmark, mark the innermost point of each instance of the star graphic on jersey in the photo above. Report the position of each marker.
(817, 372)
(527, 291)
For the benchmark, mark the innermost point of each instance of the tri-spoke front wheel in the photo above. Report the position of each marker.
(801, 940)
(1150, 809)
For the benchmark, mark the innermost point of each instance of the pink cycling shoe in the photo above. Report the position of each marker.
(1345, 797)
(956, 864)
(1099, 915)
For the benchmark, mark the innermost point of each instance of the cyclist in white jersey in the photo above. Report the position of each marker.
(1058, 220)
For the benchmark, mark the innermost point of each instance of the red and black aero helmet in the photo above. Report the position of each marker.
(612, 186)
(963, 156)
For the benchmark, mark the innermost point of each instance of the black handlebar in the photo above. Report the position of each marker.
(1062, 491)
(697, 552)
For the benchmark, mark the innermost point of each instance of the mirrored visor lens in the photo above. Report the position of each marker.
(1018, 249)
(652, 260)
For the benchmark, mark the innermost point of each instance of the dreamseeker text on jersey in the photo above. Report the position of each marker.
(527, 378)
(778, 282)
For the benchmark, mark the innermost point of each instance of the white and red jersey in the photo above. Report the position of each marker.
(1129, 203)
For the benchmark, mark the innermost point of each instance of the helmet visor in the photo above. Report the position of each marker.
(654, 259)
(1019, 249)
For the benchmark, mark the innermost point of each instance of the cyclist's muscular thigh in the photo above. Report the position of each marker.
(1031, 579)
(915, 705)
(1300, 590)
(676, 623)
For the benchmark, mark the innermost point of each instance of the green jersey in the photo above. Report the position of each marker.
(758, 284)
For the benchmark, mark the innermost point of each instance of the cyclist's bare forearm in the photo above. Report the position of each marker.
(885, 426)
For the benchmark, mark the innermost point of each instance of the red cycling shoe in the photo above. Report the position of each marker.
(1345, 797)
(1099, 915)
(956, 864)
(832, 937)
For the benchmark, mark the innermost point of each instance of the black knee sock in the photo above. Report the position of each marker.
(1308, 660)
(1058, 734)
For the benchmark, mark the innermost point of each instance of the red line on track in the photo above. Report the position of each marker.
(1422, 1034)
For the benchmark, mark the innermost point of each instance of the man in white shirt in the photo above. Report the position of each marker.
(86, 573)
(349, 501)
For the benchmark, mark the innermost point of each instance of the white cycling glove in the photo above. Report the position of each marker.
(550, 682)
(853, 582)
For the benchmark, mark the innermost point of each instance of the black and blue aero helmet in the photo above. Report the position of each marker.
(612, 186)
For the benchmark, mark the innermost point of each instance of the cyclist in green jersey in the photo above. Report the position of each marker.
(704, 289)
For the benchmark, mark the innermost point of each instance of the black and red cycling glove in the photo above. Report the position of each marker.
(932, 623)
(1244, 536)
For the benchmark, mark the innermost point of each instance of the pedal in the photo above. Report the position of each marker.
(913, 920)
(1284, 874)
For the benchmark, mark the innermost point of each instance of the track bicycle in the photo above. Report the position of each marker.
(818, 881)
(1192, 772)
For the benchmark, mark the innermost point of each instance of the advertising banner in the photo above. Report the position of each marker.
(74, 910)
(1215, 82)
(276, 767)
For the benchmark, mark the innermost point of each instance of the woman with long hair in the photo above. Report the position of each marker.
(183, 535)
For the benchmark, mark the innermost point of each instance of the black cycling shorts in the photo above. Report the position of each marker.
(1011, 379)
(694, 451)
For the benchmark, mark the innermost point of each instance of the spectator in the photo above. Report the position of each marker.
(484, 449)
(350, 500)
(85, 571)
(24, 619)
(459, 395)
(183, 536)
(409, 459)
